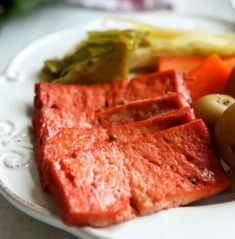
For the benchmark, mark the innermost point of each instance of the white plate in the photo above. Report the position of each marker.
(19, 182)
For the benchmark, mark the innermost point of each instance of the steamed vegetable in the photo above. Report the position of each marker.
(211, 107)
(120, 52)
(179, 42)
(208, 78)
(182, 63)
(103, 57)
(99, 65)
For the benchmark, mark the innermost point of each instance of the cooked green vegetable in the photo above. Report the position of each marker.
(111, 55)
(103, 57)
(103, 64)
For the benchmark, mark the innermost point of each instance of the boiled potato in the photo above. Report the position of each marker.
(211, 107)
(225, 135)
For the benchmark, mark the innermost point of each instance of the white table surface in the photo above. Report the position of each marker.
(15, 33)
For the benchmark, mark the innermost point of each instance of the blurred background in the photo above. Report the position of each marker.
(13, 7)
(16, 7)
(22, 21)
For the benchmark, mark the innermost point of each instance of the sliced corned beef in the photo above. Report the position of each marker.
(127, 113)
(97, 186)
(141, 110)
(154, 84)
(96, 135)
(83, 98)
(173, 167)
(108, 150)
(90, 189)
(133, 131)
(72, 97)
(50, 118)
(83, 139)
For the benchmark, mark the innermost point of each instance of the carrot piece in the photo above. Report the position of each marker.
(209, 77)
(182, 63)
(230, 62)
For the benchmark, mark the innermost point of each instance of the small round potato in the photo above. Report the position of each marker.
(225, 135)
(211, 107)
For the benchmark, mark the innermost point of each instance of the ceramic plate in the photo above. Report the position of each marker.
(19, 184)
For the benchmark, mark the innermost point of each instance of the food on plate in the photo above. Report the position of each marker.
(109, 149)
(208, 78)
(151, 125)
(90, 189)
(48, 119)
(186, 63)
(211, 107)
(180, 63)
(155, 84)
(224, 135)
(77, 103)
(75, 97)
(110, 55)
(102, 58)
(182, 159)
(105, 64)
(85, 162)
(172, 42)
(230, 86)
(140, 110)
(100, 186)
(87, 139)
(122, 134)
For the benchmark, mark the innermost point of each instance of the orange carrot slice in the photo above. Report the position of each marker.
(182, 63)
(209, 77)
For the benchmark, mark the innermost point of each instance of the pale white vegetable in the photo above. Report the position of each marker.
(165, 41)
